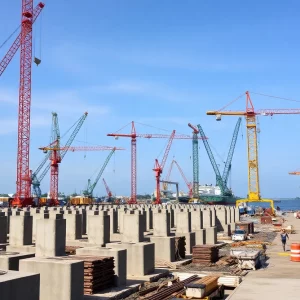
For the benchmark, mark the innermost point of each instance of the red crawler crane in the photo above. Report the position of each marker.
(108, 191)
(24, 40)
(158, 168)
(189, 184)
(133, 135)
(56, 160)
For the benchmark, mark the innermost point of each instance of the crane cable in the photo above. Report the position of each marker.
(9, 37)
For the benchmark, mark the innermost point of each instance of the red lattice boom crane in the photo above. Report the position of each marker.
(158, 168)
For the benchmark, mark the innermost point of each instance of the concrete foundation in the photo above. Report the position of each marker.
(19, 286)
(99, 228)
(134, 223)
(211, 235)
(10, 260)
(20, 229)
(120, 260)
(59, 279)
(164, 248)
(200, 236)
(73, 224)
(140, 257)
(161, 223)
(51, 236)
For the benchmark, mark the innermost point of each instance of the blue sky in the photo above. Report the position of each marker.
(164, 64)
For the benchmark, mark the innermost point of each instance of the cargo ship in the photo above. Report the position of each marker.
(211, 194)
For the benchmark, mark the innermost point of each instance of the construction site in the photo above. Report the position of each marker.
(183, 240)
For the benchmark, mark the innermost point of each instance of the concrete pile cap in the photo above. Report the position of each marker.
(23, 213)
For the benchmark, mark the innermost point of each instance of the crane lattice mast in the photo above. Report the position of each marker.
(252, 148)
(195, 162)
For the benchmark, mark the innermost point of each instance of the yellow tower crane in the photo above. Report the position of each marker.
(253, 171)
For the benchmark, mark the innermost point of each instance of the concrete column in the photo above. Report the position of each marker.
(237, 214)
(207, 218)
(50, 236)
(73, 224)
(113, 214)
(211, 235)
(149, 218)
(3, 228)
(133, 225)
(221, 218)
(197, 219)
(8, 213)
(82, 211)
(20, 229)
(183, 222)
(99, 227)
(161, 223)
(36, 214)
(121, 213)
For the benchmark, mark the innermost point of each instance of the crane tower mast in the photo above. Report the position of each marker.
(23, 195)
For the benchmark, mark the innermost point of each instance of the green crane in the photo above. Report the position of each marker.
(195, 161)
(221, 181)
(227, 167)
(35, 179)
(90, 187)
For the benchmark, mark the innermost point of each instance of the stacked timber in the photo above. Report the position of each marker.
(205, 254)
(98, 273)
(202, 287)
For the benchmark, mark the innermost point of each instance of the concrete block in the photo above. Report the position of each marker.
(164, 247)
(207, 218)
(120, 260)
(20, 229)
(197, 220)
(190, 241)
(10, 260)
(3, 228)
(73, 224)
(237, 214)
(232, 227)
(140, 257)
(121, 213)
(113, 215)
(60, 279)
(183, 222)
(82, 211)
(161, 223)
(19, 286)
(211, 235)
(133, 227)
(99, 228)
(200, 235)
(51, 236)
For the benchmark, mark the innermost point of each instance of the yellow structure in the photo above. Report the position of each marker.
(81, 200)
(253, 173)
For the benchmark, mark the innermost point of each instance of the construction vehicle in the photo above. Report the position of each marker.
(252, 147)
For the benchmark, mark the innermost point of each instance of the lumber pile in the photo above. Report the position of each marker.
(202, 287)
(205, 254)
(98, 273)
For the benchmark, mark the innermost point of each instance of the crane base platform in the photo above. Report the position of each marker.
(238, 202)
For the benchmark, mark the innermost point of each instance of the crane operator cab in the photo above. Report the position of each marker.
(218, 117)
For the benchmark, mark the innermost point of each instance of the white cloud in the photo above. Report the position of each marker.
(8, 126)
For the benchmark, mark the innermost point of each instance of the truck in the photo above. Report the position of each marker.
(239, 235)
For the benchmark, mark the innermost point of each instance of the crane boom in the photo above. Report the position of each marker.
(189, 185)
(92, 187)
(163, 162)
(227, 167)
(108, 191)
(213, 162)
(16, 44)
(165, 184)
